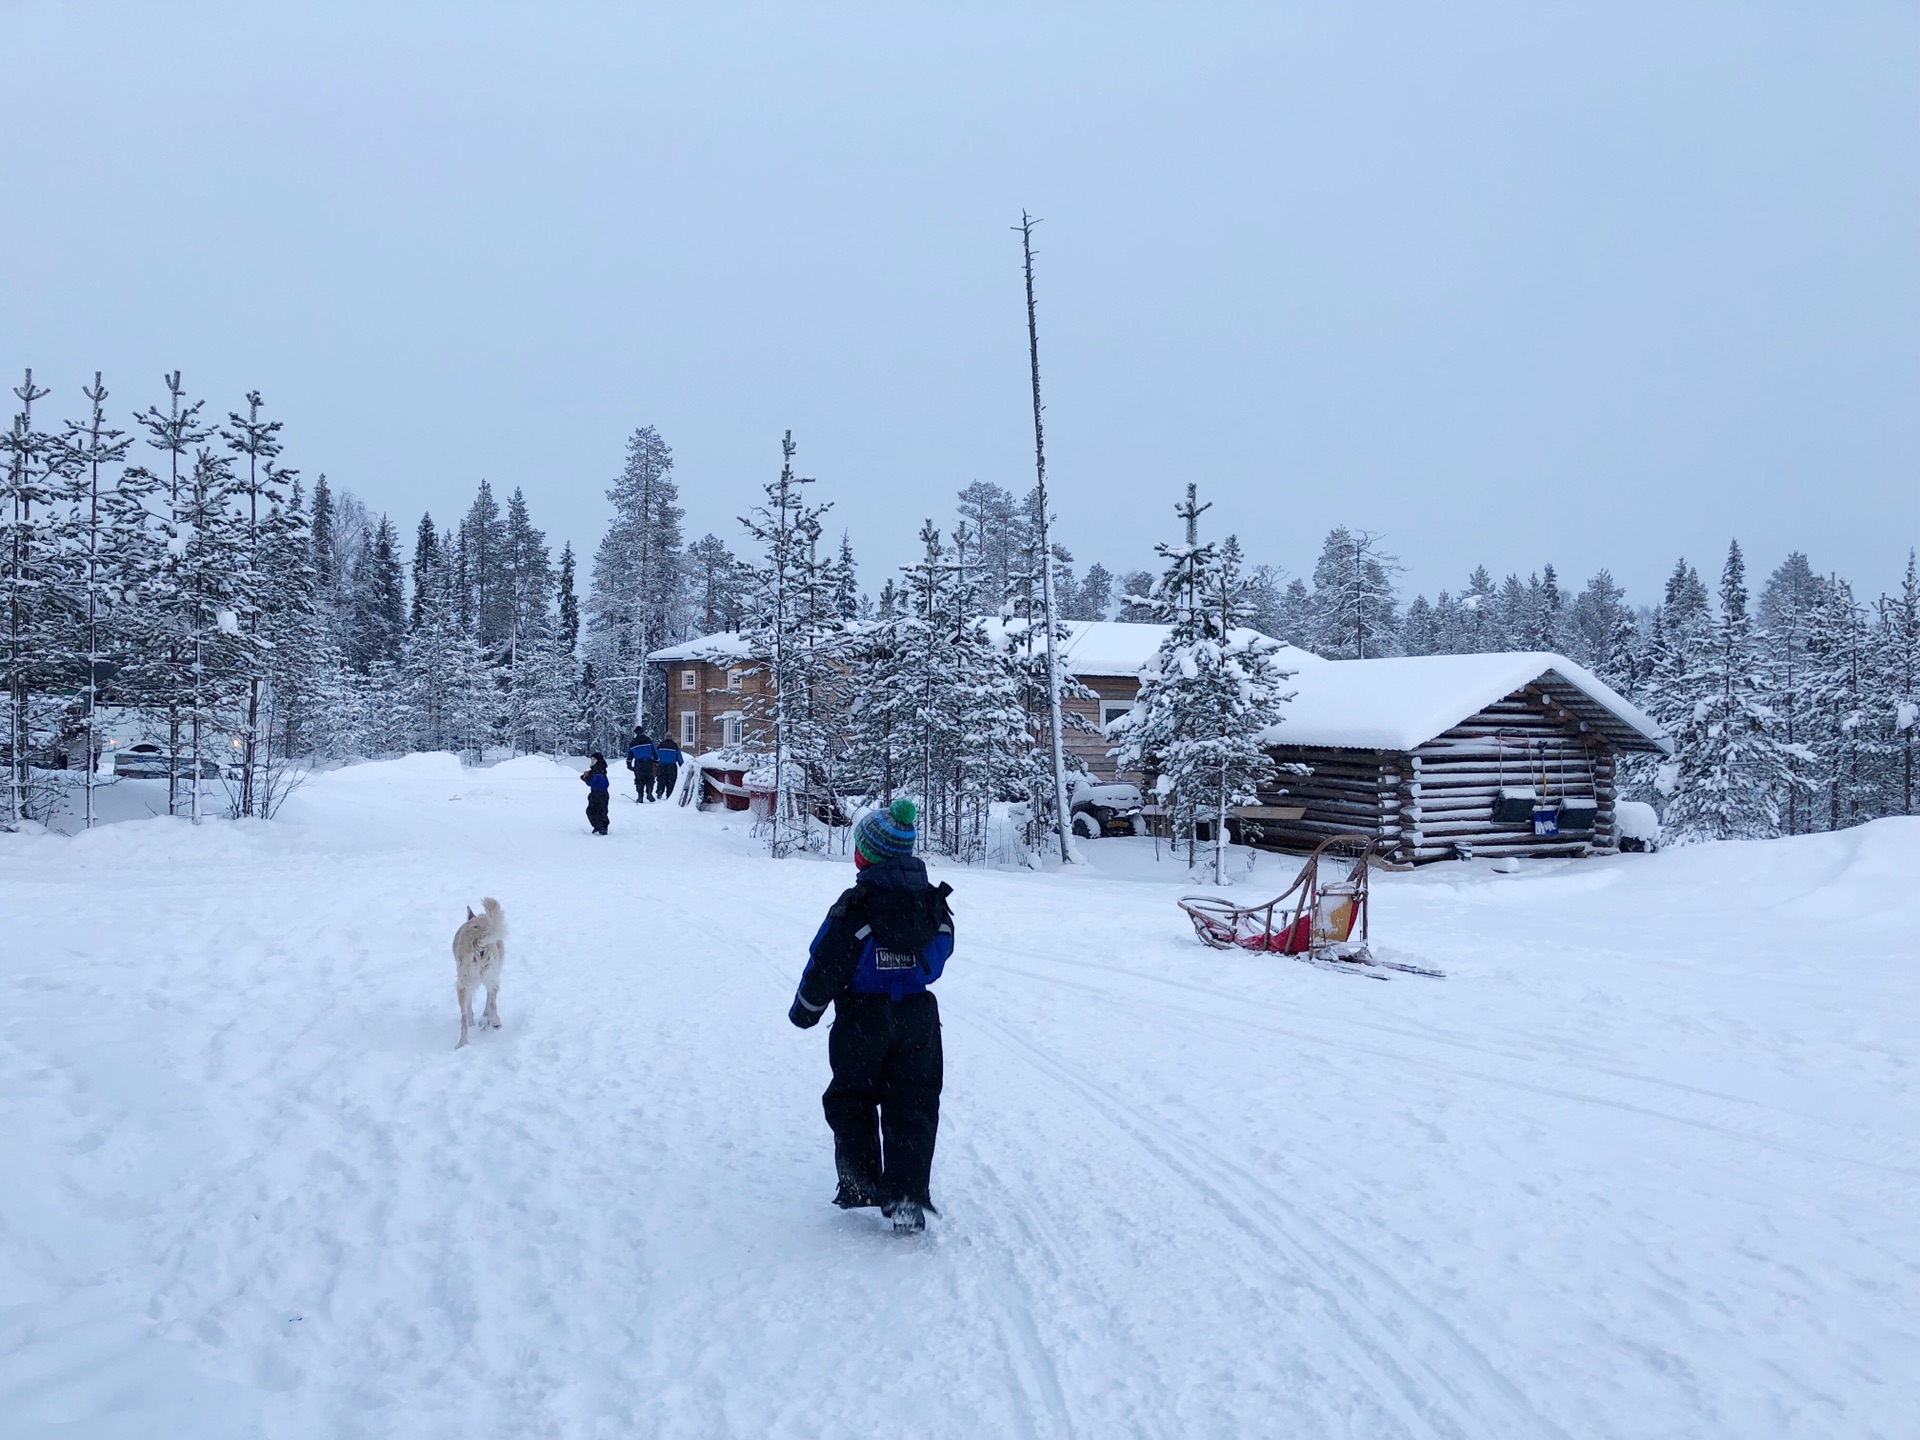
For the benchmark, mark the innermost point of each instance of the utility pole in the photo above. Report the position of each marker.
(1046, 561)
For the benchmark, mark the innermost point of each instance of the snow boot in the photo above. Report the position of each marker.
(907, 1216)
(855, 1196)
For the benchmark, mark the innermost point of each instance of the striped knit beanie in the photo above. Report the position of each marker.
(884, 835)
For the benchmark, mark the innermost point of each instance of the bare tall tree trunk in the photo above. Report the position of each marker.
(1056, 733)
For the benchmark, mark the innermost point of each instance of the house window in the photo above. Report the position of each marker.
(1112, 710)
(730, 729)
(733, 678)
(689, 727)
(689, 679)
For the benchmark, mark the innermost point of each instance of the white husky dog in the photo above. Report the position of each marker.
(479, 949)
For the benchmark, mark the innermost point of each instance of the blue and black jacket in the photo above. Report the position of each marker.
(890, 934)
(596, 778)
(667, 753)
(641, 754)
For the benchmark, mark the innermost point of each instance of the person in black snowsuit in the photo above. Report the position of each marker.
(884, 941)
(595, 778)
(640, 761)
(666, 772)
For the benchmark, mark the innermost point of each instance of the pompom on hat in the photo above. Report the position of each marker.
(887, 834)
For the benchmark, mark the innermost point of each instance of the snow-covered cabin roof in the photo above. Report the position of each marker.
(1117, 649)
(1403, 702)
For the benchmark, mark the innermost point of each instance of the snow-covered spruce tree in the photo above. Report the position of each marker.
(1789, 602)
(161, 673)
(259, 488)
(1096, 593)
(634, 600)
(97, 501)
(297, 661)
(28, 551)
(714, 585)
(1208, 695)
(198, 615)
(1600, 631)
(376, 602)
(938, 712)
(1898, 671)
(791, 631)
(1839, 729)
(1355, 606)
(1731, 768)
(1000, 529)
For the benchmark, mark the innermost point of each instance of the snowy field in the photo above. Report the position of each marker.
(1647, 1164)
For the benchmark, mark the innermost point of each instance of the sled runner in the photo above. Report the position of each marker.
(1321, 917)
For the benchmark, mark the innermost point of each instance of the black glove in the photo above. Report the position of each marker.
(803, 1016)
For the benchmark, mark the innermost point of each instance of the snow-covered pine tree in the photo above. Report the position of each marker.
(259, 489)
(96, 500)
(29, 554)
(1898, 672)
(714, 584)
(1599, 630)
(377, 607)
(790, 629)
(1839, 730)
(633, 602)
(163, 671)
(1000, 532)
(1731, 768)
(1355, 608)
(1209, 694)
(1788, 604)
(1096, 593)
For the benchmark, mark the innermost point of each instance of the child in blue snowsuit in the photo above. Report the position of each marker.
(882, 944)
(595, 777)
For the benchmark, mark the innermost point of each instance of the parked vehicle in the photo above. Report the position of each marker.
(147, 761)
(1111, 809)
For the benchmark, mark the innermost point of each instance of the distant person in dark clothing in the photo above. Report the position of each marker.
(595, 777)
(666, 760)
(640, 761)
(884, 941)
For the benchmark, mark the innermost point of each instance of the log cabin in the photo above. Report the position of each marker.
(1440, 756)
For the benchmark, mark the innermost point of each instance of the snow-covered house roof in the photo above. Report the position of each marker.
(1116, 649)
(1093, 648)
(1403, 702)
(719, 647)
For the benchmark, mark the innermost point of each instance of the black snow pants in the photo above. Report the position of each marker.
(597, 811)
(643, 780)
(886, 1056)
(666, 777)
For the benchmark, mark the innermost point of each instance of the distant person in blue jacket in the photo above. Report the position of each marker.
(640, 761)
(666, 771)
(595, 778)
(884, 941)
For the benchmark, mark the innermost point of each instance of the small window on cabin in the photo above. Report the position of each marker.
(689, 727)
(1112, 710)
(734, 677)
(730, 729)
(689, 679)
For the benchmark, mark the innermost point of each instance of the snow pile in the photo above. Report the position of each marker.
(1645, 1164)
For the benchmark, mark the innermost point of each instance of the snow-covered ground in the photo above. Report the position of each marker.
(1646, 1164)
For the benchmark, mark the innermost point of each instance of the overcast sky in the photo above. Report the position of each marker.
(1596, 285)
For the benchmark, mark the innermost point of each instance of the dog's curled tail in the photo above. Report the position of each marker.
(496, 919)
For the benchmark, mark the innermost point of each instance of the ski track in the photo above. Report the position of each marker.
(265, 1196)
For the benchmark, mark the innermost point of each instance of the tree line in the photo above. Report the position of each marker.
(177, 575)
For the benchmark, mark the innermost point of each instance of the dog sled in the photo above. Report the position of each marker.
(1321, 918)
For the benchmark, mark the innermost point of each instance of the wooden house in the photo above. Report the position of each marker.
(1440, 755)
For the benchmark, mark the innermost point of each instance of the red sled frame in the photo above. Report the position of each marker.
(1317, 915)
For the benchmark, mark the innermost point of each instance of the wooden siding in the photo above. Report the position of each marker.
(1434, 799)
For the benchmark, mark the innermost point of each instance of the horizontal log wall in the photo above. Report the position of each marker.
(1441, 796)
